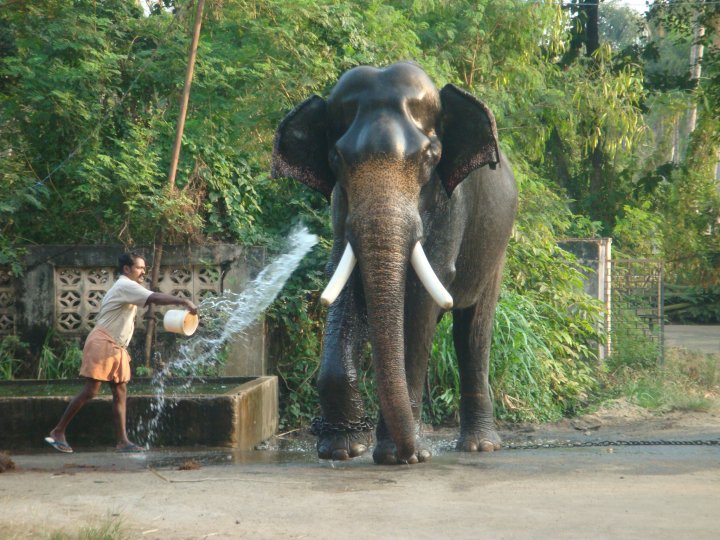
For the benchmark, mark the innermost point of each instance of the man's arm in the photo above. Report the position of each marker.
(162, 299)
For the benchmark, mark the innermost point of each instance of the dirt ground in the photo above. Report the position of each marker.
(284, 491)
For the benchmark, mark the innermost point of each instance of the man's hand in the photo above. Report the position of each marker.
(192, 308)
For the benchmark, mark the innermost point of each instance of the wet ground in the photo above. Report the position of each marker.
(614, 491)
(284, 491)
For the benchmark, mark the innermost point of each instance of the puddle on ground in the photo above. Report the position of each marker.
(275, 451)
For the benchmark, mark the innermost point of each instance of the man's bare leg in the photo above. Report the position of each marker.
(89, 391)
(119, 392)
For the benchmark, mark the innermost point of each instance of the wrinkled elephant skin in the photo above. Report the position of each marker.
(403, 164)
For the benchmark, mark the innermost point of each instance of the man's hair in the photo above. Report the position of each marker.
(128, 259)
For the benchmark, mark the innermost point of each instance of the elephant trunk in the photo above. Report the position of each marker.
(384, 243)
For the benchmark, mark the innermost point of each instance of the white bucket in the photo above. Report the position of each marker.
(180, 321)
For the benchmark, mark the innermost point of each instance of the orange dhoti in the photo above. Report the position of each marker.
(103, 359)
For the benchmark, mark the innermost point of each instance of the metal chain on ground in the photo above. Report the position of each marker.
(588, 444)
(320, 426)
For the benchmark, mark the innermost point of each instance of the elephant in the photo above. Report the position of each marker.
(423, 204)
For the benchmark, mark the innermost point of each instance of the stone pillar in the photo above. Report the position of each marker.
(596, 255)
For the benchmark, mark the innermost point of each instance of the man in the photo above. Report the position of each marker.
(105, 357)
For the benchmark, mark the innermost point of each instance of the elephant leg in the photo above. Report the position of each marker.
(472, 334)
(343, 431)
(420, 324)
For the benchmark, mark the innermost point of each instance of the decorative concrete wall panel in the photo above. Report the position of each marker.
(63, 286)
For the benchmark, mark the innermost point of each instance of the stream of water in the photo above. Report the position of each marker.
(224, 318)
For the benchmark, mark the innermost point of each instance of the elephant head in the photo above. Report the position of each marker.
(381, 142)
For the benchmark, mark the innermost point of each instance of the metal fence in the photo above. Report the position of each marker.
(637, 308)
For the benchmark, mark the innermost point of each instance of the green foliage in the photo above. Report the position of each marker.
(548, 321)
(546, 328)
(89, 108)
(59, 359)
(620, 25)
(89, 95)
(532, 381)
(443, 379)
(632, 347)
(688, 304)
(143, 371)
(682, 190)
(536, 369)
(11, 348)
(639, 231)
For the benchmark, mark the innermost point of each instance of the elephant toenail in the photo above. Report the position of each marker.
(357, 450)
(487, 446)
(412, 460)
(469, 446)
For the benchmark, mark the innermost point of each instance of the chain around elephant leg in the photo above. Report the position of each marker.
(342, 440)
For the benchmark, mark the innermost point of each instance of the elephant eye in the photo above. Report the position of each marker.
(420, 114)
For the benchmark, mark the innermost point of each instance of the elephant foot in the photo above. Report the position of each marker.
(385, 453)
(341, 441)
(343, 446)
(484, 441)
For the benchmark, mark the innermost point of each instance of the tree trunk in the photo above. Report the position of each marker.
(696, 56)
(592, 26)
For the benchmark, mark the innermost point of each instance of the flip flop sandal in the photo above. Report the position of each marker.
(59, 445)
(131, 448)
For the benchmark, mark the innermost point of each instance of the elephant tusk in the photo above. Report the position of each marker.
(428, 278)
(340, 277)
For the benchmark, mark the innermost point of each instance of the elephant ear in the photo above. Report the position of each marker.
(300, 150)
(469, 136)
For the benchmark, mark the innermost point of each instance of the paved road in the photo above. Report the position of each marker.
(663, 492)
(693, 337)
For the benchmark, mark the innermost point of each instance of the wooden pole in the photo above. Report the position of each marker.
(186, 93)
(157, 255)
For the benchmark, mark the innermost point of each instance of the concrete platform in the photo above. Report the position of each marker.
(240, 417)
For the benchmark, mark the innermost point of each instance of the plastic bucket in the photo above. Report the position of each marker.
(180, 321)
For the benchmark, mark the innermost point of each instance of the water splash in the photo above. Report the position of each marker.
(224, 319)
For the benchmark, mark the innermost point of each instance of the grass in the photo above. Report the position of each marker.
(688, 381)
(62, 364)
(541, 366)
(10, 364)
(110, 528)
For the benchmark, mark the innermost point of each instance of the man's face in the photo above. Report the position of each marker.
(136, 272)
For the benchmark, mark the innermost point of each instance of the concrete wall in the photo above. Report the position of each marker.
(38, 306)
